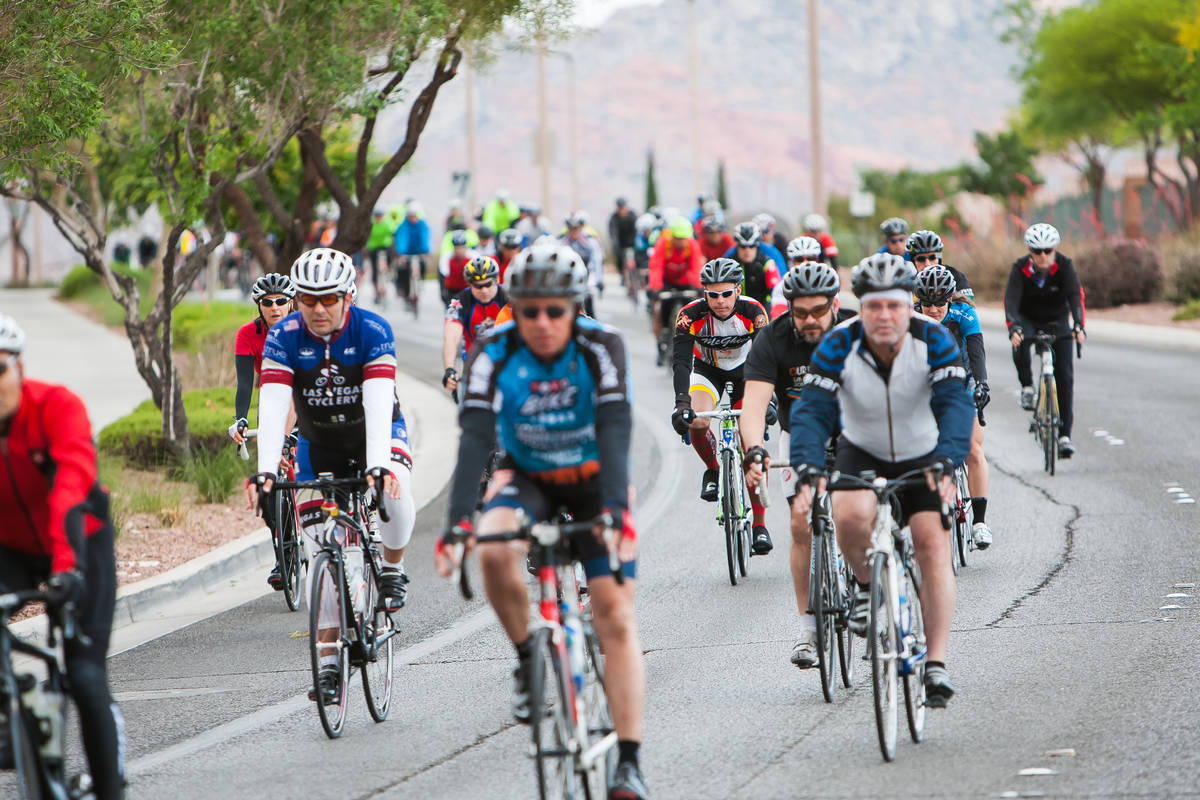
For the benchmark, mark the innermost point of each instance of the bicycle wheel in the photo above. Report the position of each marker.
(730, 517)
(327, 636)
(288, 548)
(821, 594)
(884, 643)
(1047, 413)
(965, 539)
(379, 629)
(914, 678)
(550, 719)
(24, 751)
(599, 720)
(845, 638)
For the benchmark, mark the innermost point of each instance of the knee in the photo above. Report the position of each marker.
(975, 456)
(699, 426)
(801, 535)
(617, 625)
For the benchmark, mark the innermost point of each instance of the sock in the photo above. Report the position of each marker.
(935, 665)
(524, 649)
(760, 511)
(329, 660)
(979, 507)
(808, 622)
(627, 751)
(706, 447)
(398, 565)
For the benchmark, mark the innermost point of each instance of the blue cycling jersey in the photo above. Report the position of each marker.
(546, 411)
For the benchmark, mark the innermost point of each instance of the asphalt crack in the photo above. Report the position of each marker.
(440, 761)
(1060, 563)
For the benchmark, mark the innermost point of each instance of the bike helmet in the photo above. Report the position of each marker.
(351, 286)
(713, 225)
(509, 237)
(935, 285)
(814, 222)
(577, 219)
(503, 195)
(622, 202)
(803, 248)
(484, 232)
(711, 206)
(415, 209)
(924, 242)
(458, 238)
(547, 270)
(1042, 235)
(12, 338)
(722, 270)
(810, 279)
(881, 272)
(747, 235)
(480, 269)
(893, 226)
(272, 283)
(764, 221)
(681, 228)
(322, 270)
(647, 222)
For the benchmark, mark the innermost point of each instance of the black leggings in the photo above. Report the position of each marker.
(1064, 374)
(101, 722)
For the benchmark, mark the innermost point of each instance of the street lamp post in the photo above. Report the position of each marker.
(814, 104)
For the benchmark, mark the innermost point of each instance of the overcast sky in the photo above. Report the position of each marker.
(591, 13)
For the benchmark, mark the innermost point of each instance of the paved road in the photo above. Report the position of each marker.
(1061, 640)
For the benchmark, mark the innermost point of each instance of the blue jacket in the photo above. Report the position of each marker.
(768, 250)
(907, 255)
(412, 239)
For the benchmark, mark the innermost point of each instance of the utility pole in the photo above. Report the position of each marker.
(472, 174)
(543, 137)
(693, 95)
(814, 103)
(573, 133)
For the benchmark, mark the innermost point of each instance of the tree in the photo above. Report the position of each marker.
(909, 189)
(651, 186)
(1008, 173)
(722, 194)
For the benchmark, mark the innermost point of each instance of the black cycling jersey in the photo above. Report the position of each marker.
(780, 357)
(1035, 300)
(756, 283)
(961, 284)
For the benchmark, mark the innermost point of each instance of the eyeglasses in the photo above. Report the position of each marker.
(714, 295)
(326, 300)
(6, 363)
(278, 301)
(897, 239)
(487, 285)
(551, 311)
(926, 258)
(1041, 251)
(815, 313)
(942, 304)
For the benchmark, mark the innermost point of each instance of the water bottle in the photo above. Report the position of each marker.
(574, 648)
(354, 570)
(905, 611)
(47, 709)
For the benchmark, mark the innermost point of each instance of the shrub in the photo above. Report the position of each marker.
(138, 435)
(85, 286)
(198, 326)
(216, 475)
(1185, 284)
(77, 280)
(1119, 271)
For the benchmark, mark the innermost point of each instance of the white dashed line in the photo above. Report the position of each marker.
(1029, 772)
(1174, 595)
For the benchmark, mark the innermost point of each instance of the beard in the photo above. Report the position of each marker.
(812, 334)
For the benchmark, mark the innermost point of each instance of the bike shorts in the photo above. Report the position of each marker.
(582, 501)
(710, 380)
(346, 464)
(854, 460)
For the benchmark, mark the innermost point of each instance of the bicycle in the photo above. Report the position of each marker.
(346, 612)
(1046, 420)
(733, 502)
(284, 524)
(35, 713)
(896, 627)
(962, 537)
(574, 739)
(408, 282)
(670, 302)
(830, 597)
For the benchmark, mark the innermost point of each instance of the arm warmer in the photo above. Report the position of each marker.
(1012, 298)
(976, 357)
(681, 361)
(244, 366)
(475, 446)
(274, 402)
(379, 396)
(813, 419)
(955, 414)
(614, 429)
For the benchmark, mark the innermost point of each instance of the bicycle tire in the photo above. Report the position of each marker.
(820, 601)
(26, 760)
(884, 644)
(288, 548)
(964, 520)
(845, 638)
(746, 529)
(549, 704)
(599, 719)
(1047, 424)
(914, 681)
(730, 518)
(328, 592)
(379, 629)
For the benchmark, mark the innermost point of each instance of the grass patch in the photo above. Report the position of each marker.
(134, 491)
(216, 475)
(201, 326)
(138, 435)
(85, 286)
(1190, 310)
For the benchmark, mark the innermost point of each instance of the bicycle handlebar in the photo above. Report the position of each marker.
(334, 483)
(247, 434)
(887, 487)
(63, 615)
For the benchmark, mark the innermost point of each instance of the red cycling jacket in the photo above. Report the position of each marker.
(675, 267)
(50, 499)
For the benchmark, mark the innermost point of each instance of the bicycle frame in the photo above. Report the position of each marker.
(729, 440)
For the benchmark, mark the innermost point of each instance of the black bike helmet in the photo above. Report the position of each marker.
(272, 283)
(935, 285)
(747, 235)
(881, 272)
(484, 232)
(480, 269)
(811, 279)
(893, 226)
(924, 242)
(722, 270)
(458, 238)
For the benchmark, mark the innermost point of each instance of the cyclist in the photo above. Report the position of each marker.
(501, 212)
(814, 226)
(675, 264)
(55, 527)
(774, 372)
(715, 241)
(509, 242)
(379, 244)
(1043, 291)
(274, 294)
(622, 233)
(800, 250)
(411, 239)
(487, 241)
(895, 237)
(590, 252)
(471, 312)
(712, 339)
(760, 262)
(337, 363)
(897, 380)
(770, 235)
(553, 385)
(936, 293)
(452, 264)
(924, 249)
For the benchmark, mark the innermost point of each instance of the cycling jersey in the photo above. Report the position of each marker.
(721, 343)
(780, 357)
(672, 267)
(961, 284)
(829, 249)
(963, 323)
(453, 273)
(764, 249)
(916, 407)
(1036, 300)
(50, 500)
(762, 275)
(588, 248)
(474, 317)
(717, 250)
(249, 342)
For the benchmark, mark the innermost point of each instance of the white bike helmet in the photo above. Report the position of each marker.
(322, 270)
(803, 248)
(1042, 235)
(12, 338)
(814, 222)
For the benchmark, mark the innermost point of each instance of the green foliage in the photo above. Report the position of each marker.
(138, 435)
(910, 189)
(1008, 171)
(1190, 311)
(85, 286)
(1119, 271)
(651, 185)
(199, 326)
(216, 475)
(1186, 280)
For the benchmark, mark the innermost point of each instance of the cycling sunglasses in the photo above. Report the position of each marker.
(551, 311)
(6, 363)
(926, 258)
(815, 313)
(715, 295)
(942, 304)
(278, 301)
(1041, 251)
(326, 300)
